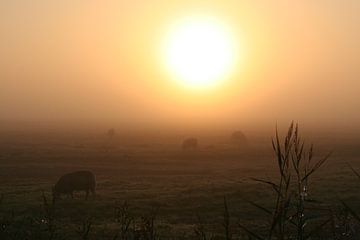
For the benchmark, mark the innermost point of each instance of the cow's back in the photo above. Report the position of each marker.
(76, 181)
(190, 143)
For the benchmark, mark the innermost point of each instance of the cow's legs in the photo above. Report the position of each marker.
(93, 192)
(87, 194)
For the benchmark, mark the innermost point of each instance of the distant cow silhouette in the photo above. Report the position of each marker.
(111, 132)
(75, 181)
(239, 138)
(190, 143)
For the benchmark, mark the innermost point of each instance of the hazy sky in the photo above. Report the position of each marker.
(100, 61)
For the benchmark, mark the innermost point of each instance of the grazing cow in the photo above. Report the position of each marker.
(190, 143)
(75, 181)
(238, 138)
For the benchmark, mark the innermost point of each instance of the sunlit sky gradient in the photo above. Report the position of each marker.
(100, 61)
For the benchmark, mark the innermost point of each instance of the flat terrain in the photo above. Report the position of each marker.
(153, 172)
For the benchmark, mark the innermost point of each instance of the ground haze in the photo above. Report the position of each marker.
(152, 171)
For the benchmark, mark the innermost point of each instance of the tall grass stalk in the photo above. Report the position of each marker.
(295, 167)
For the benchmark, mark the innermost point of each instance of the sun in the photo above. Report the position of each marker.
(199, 52)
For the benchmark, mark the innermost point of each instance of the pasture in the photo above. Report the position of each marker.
(154, 176)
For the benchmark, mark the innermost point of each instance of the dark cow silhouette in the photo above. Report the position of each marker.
(111, 133)
(190, 143)
(75, 181)
(239, 138)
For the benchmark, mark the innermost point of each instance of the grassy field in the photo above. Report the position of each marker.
(152, 173)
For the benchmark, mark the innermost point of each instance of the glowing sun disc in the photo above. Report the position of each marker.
(199, 52)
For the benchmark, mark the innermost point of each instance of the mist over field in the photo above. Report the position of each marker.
(171, 120)
(146, 174)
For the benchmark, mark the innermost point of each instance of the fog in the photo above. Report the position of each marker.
(97, 64)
